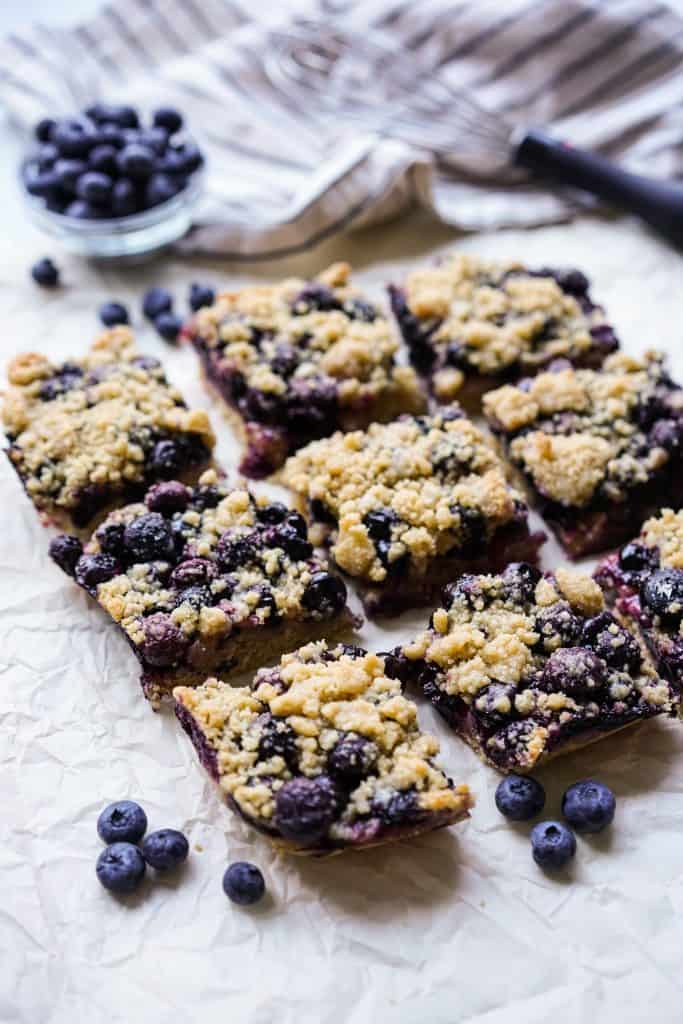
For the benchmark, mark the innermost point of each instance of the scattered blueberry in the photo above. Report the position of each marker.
(156, 301)
(165, 849)
(149, 538)
(45, 273)
(122, 822)
(324, 593)
(120, 867)
(112, 313)
(168, 118)
(168, 325)
(589, 806)
(201, 295)
(43, 130)
(243, 883)
(552, 845)
(520, 797)
(65, 550)
(91, 570)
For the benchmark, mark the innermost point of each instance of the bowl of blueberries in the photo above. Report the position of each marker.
(110, 186)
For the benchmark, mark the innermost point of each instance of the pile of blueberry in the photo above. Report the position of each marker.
(122, 864)
(588, 806)
(105, 164)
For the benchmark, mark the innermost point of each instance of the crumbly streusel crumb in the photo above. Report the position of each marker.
(316, 699)
(584, 435)
(665, 532)
(428, 477)
(90, 426)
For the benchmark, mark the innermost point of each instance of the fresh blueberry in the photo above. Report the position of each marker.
(520, 797)
(120, 867)
(572, 281)
(43, 130)
(663, 593)
(47, 156)
(136, 161)
(119, 114)
(305, 808)
(159, 189)
(277, 739)
(156, 301)
(110, 538)
(165, 849)
(164, 644)
(575, 671)
(103, 159)
(167, 458)
(201, 295)
(41, 183)
(73, 138)
(91, 570)
(635, 557)
(94, 187)
(324, 594)
(168, 325)
(168, 497)
(82, 210)
(243, 883)
(156, 138)
(272, 514)
(351, 759)
(45, 273)
(552, 844)
(112, 313)
(123, 198)
(589, 806)
(149, 538)
(167, 118)
(122, 822)
(110, 134)
(190, 157)
(65, 550)
(68, 171)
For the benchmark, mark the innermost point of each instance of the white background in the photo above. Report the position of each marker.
(456, 926)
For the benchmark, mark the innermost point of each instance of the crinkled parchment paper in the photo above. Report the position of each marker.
(457, 926)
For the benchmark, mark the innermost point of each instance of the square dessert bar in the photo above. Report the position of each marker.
(322, 753)
(469, 323)
(601, 449)
(93, 433)
(408, 506)
(206, 580)
(300, 359)
(525, 667)
(645, 581)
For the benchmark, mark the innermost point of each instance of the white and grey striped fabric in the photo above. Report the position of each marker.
(295, 149)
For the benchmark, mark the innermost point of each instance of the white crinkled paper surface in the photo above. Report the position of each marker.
(459, 925)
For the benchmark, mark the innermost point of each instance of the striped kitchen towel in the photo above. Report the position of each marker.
(327, 115)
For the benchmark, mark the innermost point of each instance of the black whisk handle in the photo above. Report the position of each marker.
(658, 202)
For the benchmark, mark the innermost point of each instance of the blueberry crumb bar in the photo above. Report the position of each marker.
(645, 581)
(600, 449)
(405, 507)
(525, 667)
(468, 323)
(298, 360)
(322, 753)
(93, 433)
(206, 580)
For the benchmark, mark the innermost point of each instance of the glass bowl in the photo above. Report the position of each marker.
(122, 238)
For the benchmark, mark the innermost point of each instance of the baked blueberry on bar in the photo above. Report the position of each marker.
(525, 667)
(601, 449)
(405, 507)
(322, 753)
(95, 432)
(206, 580)
(645, 581)
(300, 359)
(469, 323)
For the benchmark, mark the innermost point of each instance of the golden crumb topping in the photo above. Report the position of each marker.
(296, 337)
(582, 435)
(299, 718)
(665, 532)
(90, 426)
(418, 487)
(486, 317)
